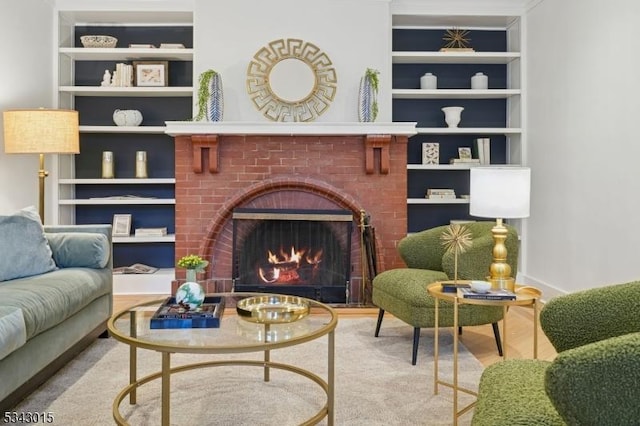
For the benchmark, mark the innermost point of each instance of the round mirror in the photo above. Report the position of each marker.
(292, 80)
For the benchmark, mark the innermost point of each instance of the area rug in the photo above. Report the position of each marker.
(375, 383)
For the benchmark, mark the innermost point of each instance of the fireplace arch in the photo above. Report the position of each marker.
(275, 193)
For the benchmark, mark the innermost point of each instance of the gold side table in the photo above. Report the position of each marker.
(525, 296)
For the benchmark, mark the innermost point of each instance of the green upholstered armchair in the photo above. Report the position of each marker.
(594, 379)
(403, 291)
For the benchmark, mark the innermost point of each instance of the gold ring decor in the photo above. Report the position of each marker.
(313, 97)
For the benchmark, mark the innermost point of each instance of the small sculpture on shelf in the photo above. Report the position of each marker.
(456, 40)
(106, 79)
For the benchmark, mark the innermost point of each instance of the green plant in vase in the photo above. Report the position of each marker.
(457, 239)
(210, 97)
(193, 264)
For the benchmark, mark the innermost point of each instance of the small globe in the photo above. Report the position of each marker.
(190, 294)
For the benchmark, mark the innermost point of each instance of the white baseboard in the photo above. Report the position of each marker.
(156, 283)
(548, 291)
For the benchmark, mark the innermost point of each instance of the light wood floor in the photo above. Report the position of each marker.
(479, 340)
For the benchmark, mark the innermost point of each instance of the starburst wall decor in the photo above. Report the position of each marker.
(456, 39)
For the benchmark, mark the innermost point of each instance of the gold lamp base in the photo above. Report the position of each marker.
(500, 271)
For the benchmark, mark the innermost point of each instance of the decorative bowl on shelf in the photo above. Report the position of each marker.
(98, 41)
(127, 117)
(272, 309)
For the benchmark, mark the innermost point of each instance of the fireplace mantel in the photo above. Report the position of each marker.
(184, 128)
(205, 135)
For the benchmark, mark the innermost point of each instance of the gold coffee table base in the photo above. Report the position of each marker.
(130, 390)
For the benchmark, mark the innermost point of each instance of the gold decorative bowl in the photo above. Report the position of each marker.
(98, 41)
(272, 309)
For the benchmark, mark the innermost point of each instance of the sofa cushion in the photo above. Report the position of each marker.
(13, 332)
(48, 299)
(79, 249)
(24, 247)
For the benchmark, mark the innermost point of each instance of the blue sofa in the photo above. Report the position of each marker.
(47, 318)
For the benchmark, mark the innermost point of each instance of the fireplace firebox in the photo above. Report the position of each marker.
(296, 252)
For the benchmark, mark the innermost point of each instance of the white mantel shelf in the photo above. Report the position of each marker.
(182, 128)
(205, 136)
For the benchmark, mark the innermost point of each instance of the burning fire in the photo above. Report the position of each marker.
(295, 267)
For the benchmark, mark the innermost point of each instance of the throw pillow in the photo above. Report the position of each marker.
(24, 247)
(79, 249)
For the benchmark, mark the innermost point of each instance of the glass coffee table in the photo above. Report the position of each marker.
(234, 335)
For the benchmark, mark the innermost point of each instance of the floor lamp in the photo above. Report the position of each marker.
(500, 192)
(41, 131)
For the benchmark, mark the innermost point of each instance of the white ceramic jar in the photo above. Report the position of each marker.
(428, 82)
(127, 117)
(479, 81)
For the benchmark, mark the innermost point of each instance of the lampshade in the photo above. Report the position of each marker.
(500, 192)
(41, 131)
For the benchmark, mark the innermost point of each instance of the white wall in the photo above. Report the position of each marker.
(355, 34)
(584, 230)
(25, 82)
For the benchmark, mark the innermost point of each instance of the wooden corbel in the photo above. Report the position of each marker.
(371, 143)
(199, 143)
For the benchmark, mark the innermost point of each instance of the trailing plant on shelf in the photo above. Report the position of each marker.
(210, 96)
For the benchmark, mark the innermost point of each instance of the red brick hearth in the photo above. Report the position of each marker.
(217, 173)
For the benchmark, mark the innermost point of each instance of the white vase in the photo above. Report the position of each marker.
(452, 115)
(428, 82)
(479, 81)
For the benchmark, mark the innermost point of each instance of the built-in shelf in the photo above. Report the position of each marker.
(437, 201)
(454, 57)
(440, 166)
(125, 202)
(137, 181)
(127, 91)
(122, 129)
(454, 93)
(126, 54)
(133, 239)
(468, 130)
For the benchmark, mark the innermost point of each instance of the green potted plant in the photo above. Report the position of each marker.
(210, 97)
(368, 96)
(193, 264)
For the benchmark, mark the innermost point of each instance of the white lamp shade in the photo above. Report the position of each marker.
(500, 192)
(41, 131)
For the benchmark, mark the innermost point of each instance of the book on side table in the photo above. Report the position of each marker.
(499, 294)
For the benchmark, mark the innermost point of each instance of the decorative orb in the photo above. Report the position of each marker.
(190, 294)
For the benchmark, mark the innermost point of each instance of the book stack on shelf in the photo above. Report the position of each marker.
(483, 150)
(151, 232)
(498, 294)
(440, 194)
(464, 161)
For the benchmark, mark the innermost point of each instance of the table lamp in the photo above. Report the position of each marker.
(41, 131)
(500, 192)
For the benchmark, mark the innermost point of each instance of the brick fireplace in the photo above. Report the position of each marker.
(222, 167)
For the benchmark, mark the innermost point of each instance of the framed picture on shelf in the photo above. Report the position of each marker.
(151, 73)
(464, 153)
(121, 225)
(430, 153)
